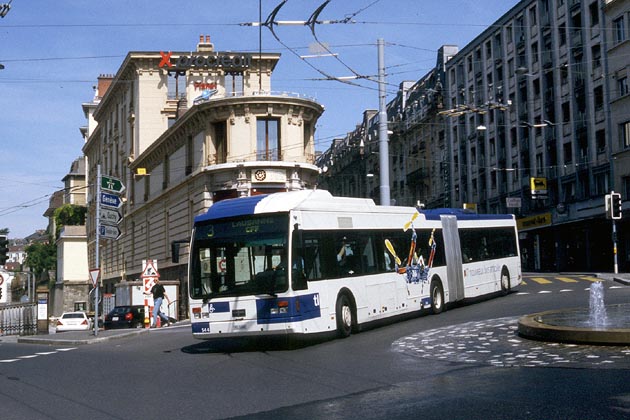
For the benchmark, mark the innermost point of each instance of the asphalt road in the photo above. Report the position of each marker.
(466, 363)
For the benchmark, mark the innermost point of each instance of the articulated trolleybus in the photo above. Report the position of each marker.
(306, 262)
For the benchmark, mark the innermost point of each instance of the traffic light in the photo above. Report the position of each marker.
(4, 249)
(615, 205)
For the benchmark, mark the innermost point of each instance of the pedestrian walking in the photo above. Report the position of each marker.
(159, 293)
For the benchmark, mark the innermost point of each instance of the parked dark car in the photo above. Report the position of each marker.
(125, 317)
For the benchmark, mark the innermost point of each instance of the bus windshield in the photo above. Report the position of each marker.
(238, 257)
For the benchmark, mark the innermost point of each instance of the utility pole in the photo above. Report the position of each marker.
(383, 141)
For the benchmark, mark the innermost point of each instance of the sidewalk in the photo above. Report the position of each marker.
(623, 278)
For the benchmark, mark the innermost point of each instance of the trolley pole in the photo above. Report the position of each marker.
(383, 146)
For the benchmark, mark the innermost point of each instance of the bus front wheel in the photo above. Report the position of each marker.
(437, 296)
(505, 281)
(344, 316)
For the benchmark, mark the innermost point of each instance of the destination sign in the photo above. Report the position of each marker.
(109, 232)
(110, 216)
(110, 200)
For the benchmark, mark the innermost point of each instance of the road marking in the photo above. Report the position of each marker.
(567, 279)
(590, 278)
(32, 356)
(566, 290)
(541, 280)
(542, 292)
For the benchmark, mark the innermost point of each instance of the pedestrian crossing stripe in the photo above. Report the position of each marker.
(567, 279)
(540, 280)
(590, 278)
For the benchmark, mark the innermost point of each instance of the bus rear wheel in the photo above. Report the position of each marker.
(437, 296)
(344, 316)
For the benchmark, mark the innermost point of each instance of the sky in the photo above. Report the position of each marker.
(53, 52)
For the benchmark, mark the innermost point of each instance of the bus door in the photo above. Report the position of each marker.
(453, 253)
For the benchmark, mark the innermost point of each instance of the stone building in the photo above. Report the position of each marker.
(183, 130)
(533, 122)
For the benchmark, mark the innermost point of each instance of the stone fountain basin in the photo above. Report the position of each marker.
(574, 326)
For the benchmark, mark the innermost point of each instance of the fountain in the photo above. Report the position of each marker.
(599, 324)
(597, 309)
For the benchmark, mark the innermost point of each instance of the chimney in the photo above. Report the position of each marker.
(104, 81)
(204, 44)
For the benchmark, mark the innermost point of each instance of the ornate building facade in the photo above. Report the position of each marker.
(183, 130)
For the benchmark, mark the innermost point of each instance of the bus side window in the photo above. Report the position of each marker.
(311, 254)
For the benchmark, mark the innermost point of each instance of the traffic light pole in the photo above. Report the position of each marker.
(614, 235)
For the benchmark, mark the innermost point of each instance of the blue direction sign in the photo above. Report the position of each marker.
(109, 232)
(110, 200)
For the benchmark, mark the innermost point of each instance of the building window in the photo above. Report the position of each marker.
(220, 143)
(566, 112)
(622, 85)
(532, 16)
(624, 133)
(568, 153)
(598, 95)
(190, 159)
(594, 12)
(562, 34)
(625, 186)
(166, 174)
(619, 30)
(600, 141)
(268, 139)
(597, 56)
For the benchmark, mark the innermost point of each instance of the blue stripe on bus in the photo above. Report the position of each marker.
(461, 214)
(300, 308)
(200, 327)
(231, 208)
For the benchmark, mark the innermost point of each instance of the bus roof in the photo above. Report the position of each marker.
(324, 201)
(462, 214)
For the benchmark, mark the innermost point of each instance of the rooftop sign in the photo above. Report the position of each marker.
(225, 61)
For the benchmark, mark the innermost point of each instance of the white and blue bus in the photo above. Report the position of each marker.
(305, 262)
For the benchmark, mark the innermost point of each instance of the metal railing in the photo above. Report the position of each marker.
(18, 319)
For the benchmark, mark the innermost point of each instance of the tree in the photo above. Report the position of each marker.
(41, 257)
(68, 215)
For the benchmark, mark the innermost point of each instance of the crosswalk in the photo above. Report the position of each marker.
(549, 279)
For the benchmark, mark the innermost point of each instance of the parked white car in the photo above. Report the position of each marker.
(73, 321)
